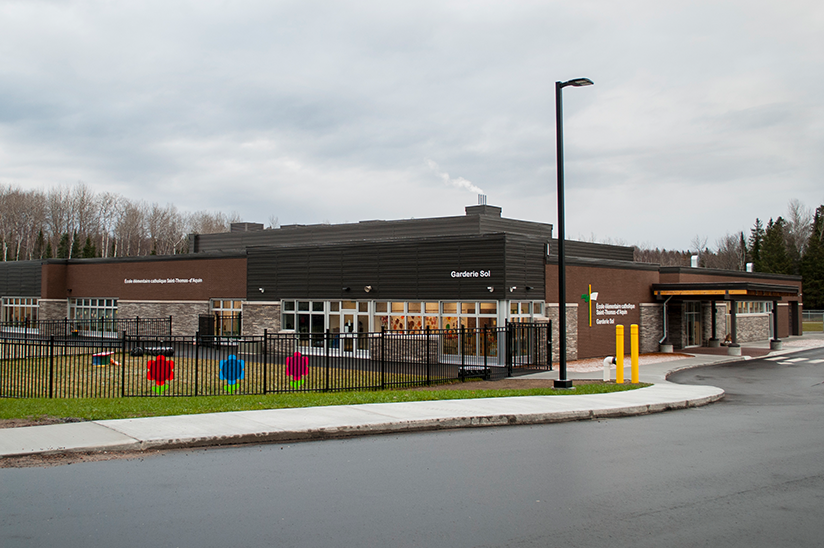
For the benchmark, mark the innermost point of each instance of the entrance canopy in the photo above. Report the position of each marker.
(724, 291)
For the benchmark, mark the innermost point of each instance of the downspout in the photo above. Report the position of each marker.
(665, 321)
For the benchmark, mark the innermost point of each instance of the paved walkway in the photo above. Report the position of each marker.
(288, 425)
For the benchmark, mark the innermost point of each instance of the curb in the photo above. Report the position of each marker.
(428, 425)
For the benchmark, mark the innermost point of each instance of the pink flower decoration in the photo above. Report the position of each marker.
(297, 366)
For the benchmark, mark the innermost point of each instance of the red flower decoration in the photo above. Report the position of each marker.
(297, 367)
(161, 371)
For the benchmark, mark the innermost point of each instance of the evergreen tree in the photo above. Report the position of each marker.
(76, 252)
(774, 256)
(63, 246)
(89, 250)
(812, 264)
(742, 250)
(39, 246)
(48, 254)
(755, 243)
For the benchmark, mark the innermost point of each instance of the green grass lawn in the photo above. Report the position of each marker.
(813, 326)
(119, 408)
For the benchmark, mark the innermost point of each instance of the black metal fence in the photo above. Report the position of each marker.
(89, 328)
(163, 365)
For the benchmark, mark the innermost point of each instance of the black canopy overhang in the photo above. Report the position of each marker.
(729, 291)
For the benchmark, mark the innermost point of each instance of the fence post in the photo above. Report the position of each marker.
(170, 325)
(51, 366)
(383, 354)
(327, 343)
(461, 349)
(265, 363)
(137, 326)
(509, 342)
(549, 344)
(428, 358)
(197, 347)
(486, 365)
(123, 365)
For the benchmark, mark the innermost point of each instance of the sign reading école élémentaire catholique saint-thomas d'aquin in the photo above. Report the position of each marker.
(160, 281)
(610, 310)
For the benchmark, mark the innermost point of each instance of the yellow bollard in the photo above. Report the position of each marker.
(633, 345)
(619, 354)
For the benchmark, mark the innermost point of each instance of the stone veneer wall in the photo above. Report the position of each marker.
(753, 327)
(572, 330)
(52, 309)
(184, 314)
(260, 316)
(651, 327)
(720, 322)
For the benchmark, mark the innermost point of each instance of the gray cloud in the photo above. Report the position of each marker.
(704, 114)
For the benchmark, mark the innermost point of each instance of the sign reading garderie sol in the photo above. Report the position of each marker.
(471, 273)
(163, 280)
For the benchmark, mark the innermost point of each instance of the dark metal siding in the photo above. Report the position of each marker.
(20, 278)
(591, 250)
(368, 230)
(409, 269)
(525, 267)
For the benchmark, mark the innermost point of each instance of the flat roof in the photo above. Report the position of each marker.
(724, 290)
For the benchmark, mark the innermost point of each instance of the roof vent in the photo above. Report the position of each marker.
(245, 227)
(493, 211)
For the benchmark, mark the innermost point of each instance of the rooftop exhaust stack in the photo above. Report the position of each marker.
(481, 199)
(694, 261)
(749, 267)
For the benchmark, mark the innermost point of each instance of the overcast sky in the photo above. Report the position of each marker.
(704, 114)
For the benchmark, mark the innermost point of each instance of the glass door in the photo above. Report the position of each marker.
(348, 325)
(693, 321)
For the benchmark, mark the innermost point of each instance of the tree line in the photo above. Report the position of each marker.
(791, 244)
(76, 222)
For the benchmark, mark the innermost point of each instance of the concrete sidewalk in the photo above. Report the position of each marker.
(288, 425)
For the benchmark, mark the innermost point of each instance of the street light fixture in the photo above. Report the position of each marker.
(562, 381)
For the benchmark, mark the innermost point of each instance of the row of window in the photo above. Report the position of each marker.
(365, 316)
(317, 316)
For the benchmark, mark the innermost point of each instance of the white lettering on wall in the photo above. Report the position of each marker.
(471, 273)
(607, 309)
(163, 280)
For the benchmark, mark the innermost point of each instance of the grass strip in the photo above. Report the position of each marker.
(121, 408)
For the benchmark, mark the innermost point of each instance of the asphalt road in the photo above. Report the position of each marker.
(748, 471)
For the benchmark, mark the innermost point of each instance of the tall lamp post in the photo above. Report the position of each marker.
(562, 381)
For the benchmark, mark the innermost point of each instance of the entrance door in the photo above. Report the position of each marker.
(693, 321)
(348, 324)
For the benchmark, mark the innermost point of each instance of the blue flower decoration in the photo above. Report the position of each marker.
(231, 371)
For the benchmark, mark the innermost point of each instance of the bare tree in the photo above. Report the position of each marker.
(204, 222)
(799, 223)
(130, 229)
(109, 206)
(728, 255)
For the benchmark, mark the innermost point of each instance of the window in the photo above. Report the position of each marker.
(93, 309)
(520, 312)
(20, 310)
(754, 307)
(305, 317)
(227, 314)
